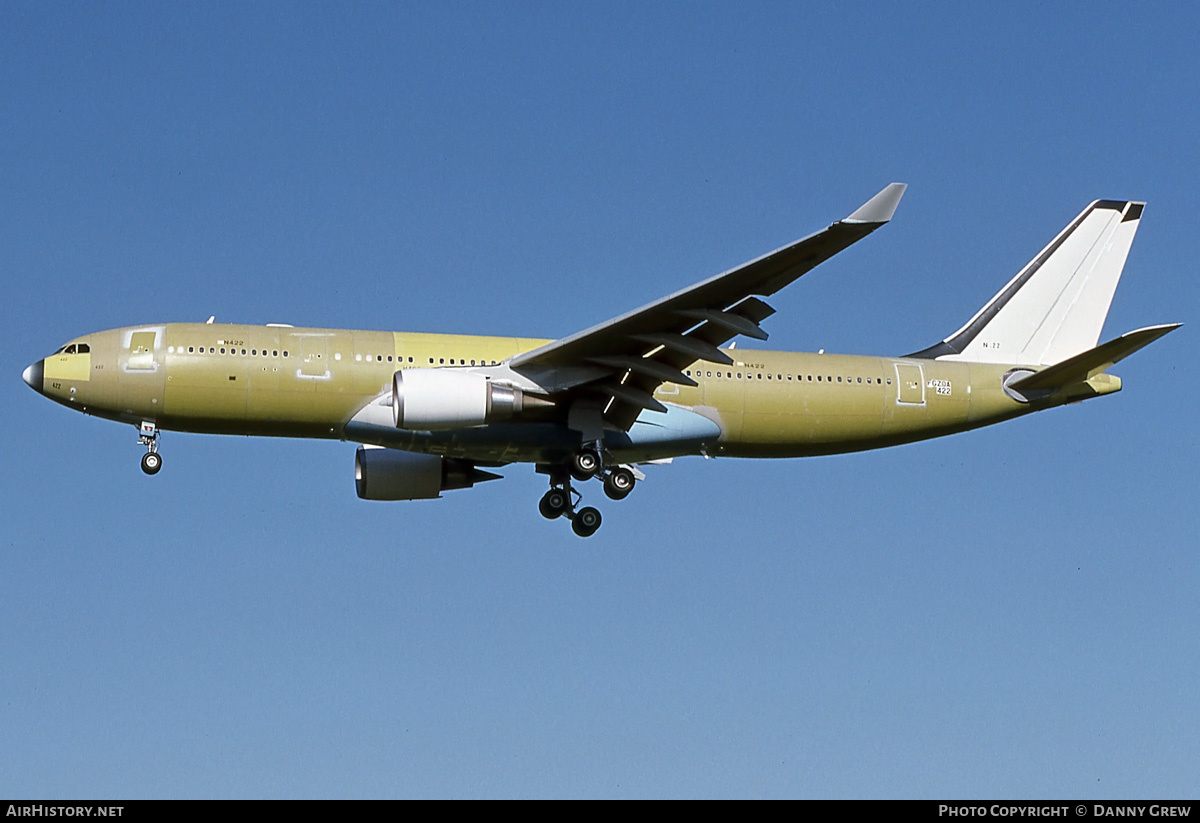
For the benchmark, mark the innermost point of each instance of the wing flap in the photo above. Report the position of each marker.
(647, 367)
(633, 396)
(692, 347)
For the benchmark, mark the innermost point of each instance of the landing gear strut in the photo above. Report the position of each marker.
(561, 501)
(151, 460)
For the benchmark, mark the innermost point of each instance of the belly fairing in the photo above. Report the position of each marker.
(654, 435)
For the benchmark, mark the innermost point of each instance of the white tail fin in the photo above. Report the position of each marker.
(1055, 307)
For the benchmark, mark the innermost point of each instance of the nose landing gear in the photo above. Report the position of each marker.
(151, 460)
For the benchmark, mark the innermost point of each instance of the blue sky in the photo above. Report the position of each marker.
(1011, 612)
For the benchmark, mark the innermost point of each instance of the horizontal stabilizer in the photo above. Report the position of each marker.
(1083, 367)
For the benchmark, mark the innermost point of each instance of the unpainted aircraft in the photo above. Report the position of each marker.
(433, 411)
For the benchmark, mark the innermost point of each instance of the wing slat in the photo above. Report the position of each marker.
(646, 366)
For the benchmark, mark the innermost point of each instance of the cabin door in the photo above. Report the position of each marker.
(910, 384)
(314, 357)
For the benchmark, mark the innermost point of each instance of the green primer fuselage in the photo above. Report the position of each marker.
(299, 382)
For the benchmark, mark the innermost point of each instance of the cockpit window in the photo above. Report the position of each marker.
(84, 348)
(70, 349)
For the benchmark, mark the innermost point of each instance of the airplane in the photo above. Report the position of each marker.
(432, 412)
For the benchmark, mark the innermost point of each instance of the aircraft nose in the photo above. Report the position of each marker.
(33, 376)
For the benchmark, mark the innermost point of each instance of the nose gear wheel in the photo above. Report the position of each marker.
(151, 463)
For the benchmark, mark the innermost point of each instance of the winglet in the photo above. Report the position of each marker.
(881, 207)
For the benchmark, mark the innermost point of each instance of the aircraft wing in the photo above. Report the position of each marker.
(621, 362)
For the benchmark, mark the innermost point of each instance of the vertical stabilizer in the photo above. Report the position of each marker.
(1055, 307)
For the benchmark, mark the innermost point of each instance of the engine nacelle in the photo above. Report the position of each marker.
(387, 474)
(432, 399)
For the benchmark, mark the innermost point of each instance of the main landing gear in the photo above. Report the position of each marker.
(151, 460)
(558, 502)
(562, 499)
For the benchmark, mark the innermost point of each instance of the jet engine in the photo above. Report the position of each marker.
(432, 399)
(387, 474)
